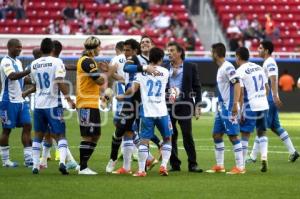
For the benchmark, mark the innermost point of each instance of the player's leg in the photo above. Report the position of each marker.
(58, 129)
(218, 132)
(174, 160)
(128, 148)
(283, 135)
(146, 132)
(9, 115)
(261, 127)
(40, 126)
(25, 122)
(164, 126)
(90, 133)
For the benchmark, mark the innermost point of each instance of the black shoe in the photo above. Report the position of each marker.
(195, 169)
(264, 166)
(62, 168)
(174, 169)
(293, 157)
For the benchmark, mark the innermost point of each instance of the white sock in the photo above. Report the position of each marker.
(45, 152)
(62, 147)
(238, 155)
(287, 142)
(165, 154)
(219, 153)
(255, 149)
(28, 154)
(263, 144)
(36, 148)
(143, 154)
(70, 156)
(4, 153)
(245, 144)
(128, 148)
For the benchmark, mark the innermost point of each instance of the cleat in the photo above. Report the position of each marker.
(236, 170)
(250, 160)
(163, 171)
(28, 164)
(10, 164)
(151, 163)
(121, 171)
(110, 166)
(140, 174)
(264, 166)
(35, 171)
(62, 168)
(57, 155)
(293, 157)
(71, 165)
(87, 171)
(216, 169)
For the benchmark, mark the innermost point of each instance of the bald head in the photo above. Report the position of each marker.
(37, 53)
(14, 47)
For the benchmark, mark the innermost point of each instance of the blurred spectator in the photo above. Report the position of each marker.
(103, 30)
(115, 29)
(99, 20)
(68, 11)
(286, 82)
(255, 30)
(2, 10)
(190, 41)
(65, 27)
(242, 22)
(80, 12)
(235, 35)
(87, 18)
(132, 11)
(271, 31)
(162, 20)
(54, 28)
(89, 29)
(17, 6)
(144, 4)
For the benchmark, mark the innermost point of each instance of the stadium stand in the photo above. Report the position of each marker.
(42, 16)
(285, 13)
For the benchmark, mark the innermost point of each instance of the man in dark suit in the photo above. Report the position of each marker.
(185, 78)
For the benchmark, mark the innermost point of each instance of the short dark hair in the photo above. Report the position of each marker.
(120, 45)
(243, 53)
(133, 44)
(219, 48)
(37, 53)
(178, 48)
(13, 42)
(268, 45)
(155, 55)
(57, 47)
(148, 37)
(46, 46)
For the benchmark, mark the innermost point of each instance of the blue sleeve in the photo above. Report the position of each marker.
(130, 68)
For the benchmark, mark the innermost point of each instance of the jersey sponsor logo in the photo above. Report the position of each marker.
(122, 61)
(270, 65)
(43, 65)
(251, 70)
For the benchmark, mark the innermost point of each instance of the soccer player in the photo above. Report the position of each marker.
(153, 111)
(254, 104)
(89, 81)
(226, 119)
(270, 67)
(14, 112)
(47, 73)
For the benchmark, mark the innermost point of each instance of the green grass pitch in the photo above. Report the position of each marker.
(281, 181)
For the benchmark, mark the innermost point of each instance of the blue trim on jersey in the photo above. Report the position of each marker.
(246, 98)
(5, 96)
(270, 97)
(120, 89)
(231, 96)
(141, 112)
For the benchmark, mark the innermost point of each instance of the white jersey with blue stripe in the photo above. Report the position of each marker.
(253, 80)
(271, 69)
(11, 89)
(143, 60)
(152, 90)
(226, 73)
(43, 73)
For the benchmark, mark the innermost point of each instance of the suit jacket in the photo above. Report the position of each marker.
(191, 88)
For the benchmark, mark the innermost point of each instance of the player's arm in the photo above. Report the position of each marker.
(267, 88)
(237, 94)
(274, 89)
(62, 86)
(133, 66)
(13, 75)
(129, 92)
(28, 91)
(90, 67)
